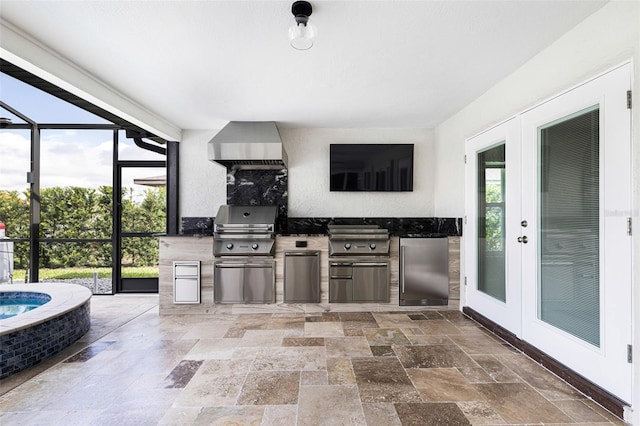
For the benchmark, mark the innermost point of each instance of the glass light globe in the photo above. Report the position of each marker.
(301, 35)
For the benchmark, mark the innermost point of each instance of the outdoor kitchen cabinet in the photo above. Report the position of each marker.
(363, 282)
(186, 281)
(243, 281)
(302, 276)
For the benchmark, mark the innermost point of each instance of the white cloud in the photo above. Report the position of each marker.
(67, 159)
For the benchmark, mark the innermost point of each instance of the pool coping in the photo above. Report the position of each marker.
(64, 298)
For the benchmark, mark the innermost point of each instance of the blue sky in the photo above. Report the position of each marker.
(68, 157)
(40, 106)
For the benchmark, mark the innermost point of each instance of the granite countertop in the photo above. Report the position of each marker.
(402, 235)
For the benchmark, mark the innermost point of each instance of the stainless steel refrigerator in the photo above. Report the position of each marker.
(424, 271)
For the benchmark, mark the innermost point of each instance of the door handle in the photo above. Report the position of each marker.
(402, 249)
(523, 239)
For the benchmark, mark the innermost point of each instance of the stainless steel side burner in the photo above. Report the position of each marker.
(358, 240)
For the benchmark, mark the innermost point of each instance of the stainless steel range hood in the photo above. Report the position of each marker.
(248, 145)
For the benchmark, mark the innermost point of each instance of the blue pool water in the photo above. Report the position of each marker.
(13, 303)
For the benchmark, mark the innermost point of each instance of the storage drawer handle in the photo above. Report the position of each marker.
(370, 264)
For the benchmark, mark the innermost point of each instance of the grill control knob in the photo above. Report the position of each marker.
(229, 246)
(255, 246)
(347, 246)
(372, 246)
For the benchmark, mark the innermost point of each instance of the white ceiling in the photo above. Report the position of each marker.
(199, 64)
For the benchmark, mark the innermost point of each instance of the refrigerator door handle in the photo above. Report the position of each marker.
(402, 248)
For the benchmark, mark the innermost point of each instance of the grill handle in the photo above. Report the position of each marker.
(243, 265)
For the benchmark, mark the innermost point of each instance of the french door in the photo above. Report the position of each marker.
(567, 266)
(493, 224)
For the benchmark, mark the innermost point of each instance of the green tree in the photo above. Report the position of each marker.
(494, 218)
(14, 213)
(146, 216)
(84, 213)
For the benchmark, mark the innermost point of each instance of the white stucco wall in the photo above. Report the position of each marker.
(604, 40)
(309, 195)
(203, 183)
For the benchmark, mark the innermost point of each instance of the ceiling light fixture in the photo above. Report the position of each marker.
(301, 31)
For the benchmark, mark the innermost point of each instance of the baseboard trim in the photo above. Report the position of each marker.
(599, 395)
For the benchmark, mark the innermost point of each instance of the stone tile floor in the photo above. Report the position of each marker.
(426, 367)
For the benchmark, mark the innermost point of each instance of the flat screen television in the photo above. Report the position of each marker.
(371, 167)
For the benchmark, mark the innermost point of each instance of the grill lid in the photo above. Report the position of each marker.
(245, 218)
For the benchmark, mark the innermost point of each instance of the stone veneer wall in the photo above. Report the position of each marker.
(29, 346)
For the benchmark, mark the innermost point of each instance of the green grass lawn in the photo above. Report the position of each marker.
(68, 273)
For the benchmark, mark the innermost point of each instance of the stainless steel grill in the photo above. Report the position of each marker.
(244, 250)
(244, 231)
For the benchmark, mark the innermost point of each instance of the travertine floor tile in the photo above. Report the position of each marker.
(341, 347)
(579, 411)
(329, 406)
(225, 416)
(410, 367)
(548, 384)
(520, 403)
(179, 416)
(442, 385)
(480, 413)
(381, 414)
(270, 388)
(290, 359)
(211, 390)
(382, 379)
(420, 414)
(280, 415)
(395, 320)
(495, 369)
(480, 344)
(437, 356)
(262, 338)
(340, 371)
(314, 378)
(220, 348)
(226, 367)
(385, 337)
(323, 329)
(438, 327)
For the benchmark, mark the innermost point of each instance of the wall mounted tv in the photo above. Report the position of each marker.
(371, 167)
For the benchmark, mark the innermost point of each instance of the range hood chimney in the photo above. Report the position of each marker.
(248, 145)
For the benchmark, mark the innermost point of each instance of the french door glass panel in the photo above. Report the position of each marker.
(569, 218)
(491, 222)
